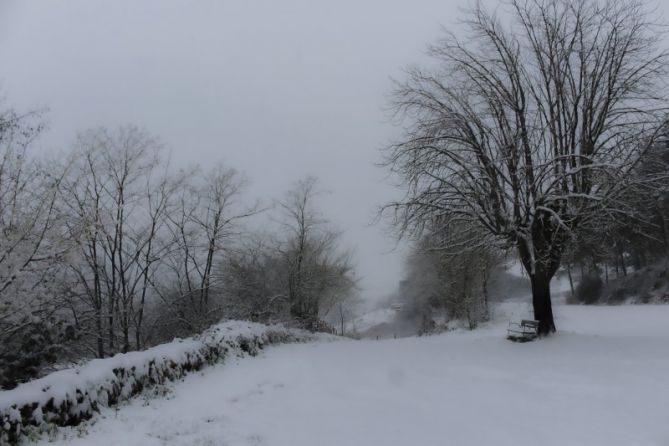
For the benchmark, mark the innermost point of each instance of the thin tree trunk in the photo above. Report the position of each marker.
(110, 327)
(571, 280)
(99, 333)
(486, 308)
(98, 302)
(125, 329)
(622, 263)
(138, 340)
(111, 335)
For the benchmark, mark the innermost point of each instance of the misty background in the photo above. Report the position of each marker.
(277, 90)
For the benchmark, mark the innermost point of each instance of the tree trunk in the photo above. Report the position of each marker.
(126, 333)
(99, 333)
(541, 301)
(138, 340)
(571, 280)
(486, 306)
(541, 259)
(110, 329)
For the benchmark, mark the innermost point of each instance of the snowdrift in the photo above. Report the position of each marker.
(67, 397)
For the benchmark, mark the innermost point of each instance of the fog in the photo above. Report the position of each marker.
(278, 90)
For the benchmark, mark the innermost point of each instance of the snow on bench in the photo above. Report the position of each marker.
(524, 331)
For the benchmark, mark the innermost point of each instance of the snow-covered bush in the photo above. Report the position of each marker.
(67, 397)
(31, 248)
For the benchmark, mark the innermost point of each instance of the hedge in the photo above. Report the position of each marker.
(68, 397)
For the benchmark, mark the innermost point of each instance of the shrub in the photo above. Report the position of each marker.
(589, 289)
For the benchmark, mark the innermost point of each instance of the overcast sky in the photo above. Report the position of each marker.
(277, 89)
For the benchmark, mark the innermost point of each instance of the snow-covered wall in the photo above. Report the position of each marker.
(67, 397)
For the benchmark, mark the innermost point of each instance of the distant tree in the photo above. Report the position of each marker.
(319, 273)
(254, 281)
(202, 224)
(637, 238)
(449, 272)
(531, 126)
(116, 198)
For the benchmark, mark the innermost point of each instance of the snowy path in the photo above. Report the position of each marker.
(604, 380)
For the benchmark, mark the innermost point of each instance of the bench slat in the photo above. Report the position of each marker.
(529, 323)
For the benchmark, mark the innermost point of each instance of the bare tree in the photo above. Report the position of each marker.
(202, 224)
(254, 281)
(531, 125)
(117, 204)
(344, 310)
(447, 275)
(83, 199)
(319, 273)
(153, 247)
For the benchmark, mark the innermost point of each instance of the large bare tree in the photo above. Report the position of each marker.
(530, 125)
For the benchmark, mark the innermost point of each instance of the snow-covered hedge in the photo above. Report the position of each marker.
(67, 397)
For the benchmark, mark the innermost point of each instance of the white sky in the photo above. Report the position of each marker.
(276, 89)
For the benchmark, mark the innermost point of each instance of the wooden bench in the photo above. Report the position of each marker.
(524, 331)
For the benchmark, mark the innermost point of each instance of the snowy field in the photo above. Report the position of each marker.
(603, 380)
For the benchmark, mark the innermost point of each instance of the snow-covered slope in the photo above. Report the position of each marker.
(66, 397)
(601, 381)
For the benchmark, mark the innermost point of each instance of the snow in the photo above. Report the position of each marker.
(69, 395)
(60, 384)
(602, 380)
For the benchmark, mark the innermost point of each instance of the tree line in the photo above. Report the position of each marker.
(108, 249)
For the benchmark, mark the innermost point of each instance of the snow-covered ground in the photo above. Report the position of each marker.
(603, 380)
